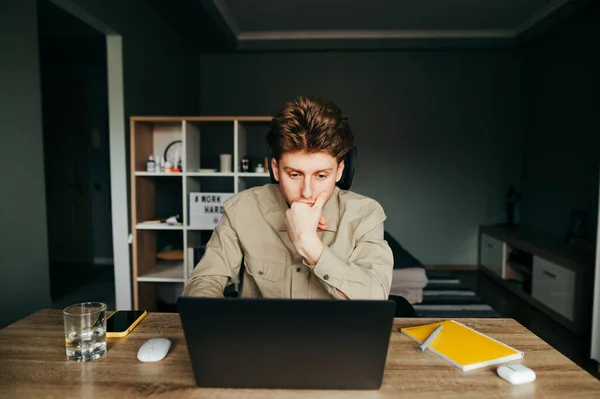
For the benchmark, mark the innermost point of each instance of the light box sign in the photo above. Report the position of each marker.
(206, 209)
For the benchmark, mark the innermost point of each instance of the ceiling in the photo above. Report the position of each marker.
(296, 25)
(360, 24)
(315, 18)
(62, 35)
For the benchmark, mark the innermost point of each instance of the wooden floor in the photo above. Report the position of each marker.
(575, 347)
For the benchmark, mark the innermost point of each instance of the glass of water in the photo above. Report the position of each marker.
(85, 331)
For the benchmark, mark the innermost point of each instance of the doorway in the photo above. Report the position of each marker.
(73, 68)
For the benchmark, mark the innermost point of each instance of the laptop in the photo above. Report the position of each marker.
(287, 343)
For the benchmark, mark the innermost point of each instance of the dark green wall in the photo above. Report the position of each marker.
(438, 132)
(24, 279)
(562, 127)
(160, 74)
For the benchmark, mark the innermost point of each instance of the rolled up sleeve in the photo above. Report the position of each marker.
(368, 272)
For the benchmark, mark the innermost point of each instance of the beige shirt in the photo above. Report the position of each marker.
(355, 259)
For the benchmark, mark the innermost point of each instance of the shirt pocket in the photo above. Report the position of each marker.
(268, 276)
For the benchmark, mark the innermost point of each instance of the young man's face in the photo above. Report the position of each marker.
(303, 176)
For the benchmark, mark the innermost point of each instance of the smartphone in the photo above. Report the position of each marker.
(121, 322)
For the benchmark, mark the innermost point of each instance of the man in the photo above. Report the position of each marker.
(302, 238)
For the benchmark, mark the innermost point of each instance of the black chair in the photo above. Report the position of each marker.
(230, 292)
(403, 307)
(402, 258)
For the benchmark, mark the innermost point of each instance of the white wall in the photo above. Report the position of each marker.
(24, 275)
(438, 132)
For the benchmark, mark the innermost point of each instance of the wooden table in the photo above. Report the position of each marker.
(33, 364)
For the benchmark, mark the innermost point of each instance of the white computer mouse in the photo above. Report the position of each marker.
(154, 350)
(516, 373)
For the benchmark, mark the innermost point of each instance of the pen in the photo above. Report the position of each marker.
(430, 339)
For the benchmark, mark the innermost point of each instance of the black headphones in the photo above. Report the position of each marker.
(347, 175)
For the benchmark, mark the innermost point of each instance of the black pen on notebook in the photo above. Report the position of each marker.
(430, 339)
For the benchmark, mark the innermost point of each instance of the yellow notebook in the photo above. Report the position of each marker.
(462, 346)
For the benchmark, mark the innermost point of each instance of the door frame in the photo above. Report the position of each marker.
(118, 153)
(595, 347)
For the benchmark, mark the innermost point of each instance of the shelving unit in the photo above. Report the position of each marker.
(158, 195)
(157, 227)
(164, 274)
(543, 271)
(213, 174)
(158, 174)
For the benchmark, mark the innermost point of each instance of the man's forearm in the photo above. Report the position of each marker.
(205, 286)
(347, 279)
(310, 248)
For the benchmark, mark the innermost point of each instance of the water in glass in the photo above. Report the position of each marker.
(86, 344)
(85, 331)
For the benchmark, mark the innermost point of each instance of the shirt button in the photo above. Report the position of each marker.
(260, 273)
(298, 270)
(326, 277)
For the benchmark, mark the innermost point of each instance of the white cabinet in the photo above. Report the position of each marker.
(544, 271)
(554, 286)
(492, 254)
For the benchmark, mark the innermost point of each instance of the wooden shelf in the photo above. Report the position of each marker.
(164, 273)
(213, 174)
(210, 174)
(161, 174)
(549, 247)
(518, 274)
(201, 118)
(157, 226)
(253, 174)
(520, 268)
(202, 139)
(199, 228)
(515, 289)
